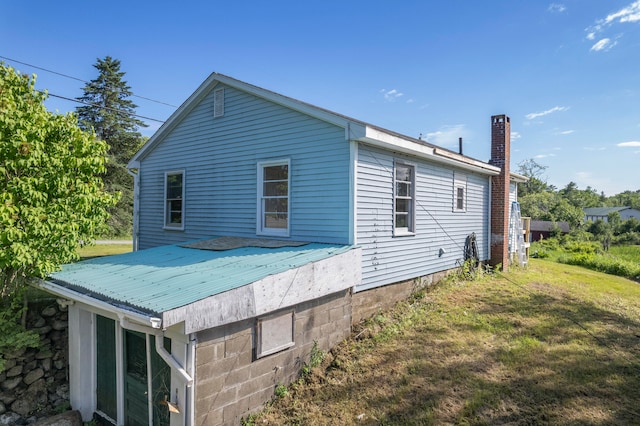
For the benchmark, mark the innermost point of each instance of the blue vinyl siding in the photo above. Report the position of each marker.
(220, 156)
(387, 259)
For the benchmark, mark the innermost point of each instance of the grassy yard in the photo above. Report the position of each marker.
(97, 250)
(628, 253)
(552, 344)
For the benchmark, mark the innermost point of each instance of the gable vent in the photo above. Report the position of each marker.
(218, 103)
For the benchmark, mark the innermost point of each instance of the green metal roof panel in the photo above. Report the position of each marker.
(602, 211)
(159, 279)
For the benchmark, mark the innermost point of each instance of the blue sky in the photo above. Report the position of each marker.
(566, 72)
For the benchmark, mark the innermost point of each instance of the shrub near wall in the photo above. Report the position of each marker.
(34, 383)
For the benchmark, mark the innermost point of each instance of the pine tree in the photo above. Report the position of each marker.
(109, 112)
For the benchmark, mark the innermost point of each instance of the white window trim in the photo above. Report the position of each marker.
(459, 181)
(290, 342)
(166, 225)
(260, 229)
(411, 229)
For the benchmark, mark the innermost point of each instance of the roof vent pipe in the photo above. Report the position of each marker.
(460, 145)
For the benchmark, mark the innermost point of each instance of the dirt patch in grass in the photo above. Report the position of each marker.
(547, 345)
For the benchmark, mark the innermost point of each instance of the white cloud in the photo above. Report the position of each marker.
(604, 44)
(566, 132)
(628, 14)
(447, 136)
(593, 148)
(556, 8)
(544, 155)
(631, 143)
(410, 101)
(391, 95)
(533, 115)
(515, 135)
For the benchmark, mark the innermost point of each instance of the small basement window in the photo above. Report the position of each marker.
(274, 333)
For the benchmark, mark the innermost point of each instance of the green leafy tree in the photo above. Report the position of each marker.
(626, 198)
(110, 113)
(588, 197)
(534, 171)
(51, 193)
(550, 206)
(602, 231)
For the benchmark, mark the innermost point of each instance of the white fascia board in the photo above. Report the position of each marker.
(378, 138)
(381, 139)
(518, 178)
(64, 292)
(274, 292)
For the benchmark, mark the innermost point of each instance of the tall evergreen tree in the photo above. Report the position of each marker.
(109, 112)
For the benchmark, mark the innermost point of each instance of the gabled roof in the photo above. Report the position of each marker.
(603, 211)
(354, 129)
(148, 283)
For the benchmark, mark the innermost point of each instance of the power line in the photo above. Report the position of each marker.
(79, 79)
(110, 109)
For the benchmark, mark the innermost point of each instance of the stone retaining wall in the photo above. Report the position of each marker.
(34, 383)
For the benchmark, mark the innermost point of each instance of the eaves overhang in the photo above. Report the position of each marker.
(63, 290)
(518, 178)
(390, 141)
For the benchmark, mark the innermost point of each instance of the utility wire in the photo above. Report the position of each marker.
(79, 79)
(421, 206)
(104, 107)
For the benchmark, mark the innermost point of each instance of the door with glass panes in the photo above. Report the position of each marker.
(142, 370)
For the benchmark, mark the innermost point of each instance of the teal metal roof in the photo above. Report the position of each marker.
(159, 279)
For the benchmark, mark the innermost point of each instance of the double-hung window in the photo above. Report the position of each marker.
(174, 200)
(273, 216)
(459, 192)
(404, 199)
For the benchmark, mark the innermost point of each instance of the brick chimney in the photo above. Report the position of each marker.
(500, 157)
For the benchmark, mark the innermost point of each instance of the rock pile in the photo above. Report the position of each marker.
(34, 383)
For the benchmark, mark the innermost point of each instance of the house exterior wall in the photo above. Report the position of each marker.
(625, 214)
(230, 383)
(513, 193)
(219, 157)
(387, 259)
(629, 213)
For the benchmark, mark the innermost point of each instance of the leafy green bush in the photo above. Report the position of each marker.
(603, 263)
(590, 247)
(627, 238)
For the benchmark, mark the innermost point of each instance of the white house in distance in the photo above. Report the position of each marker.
(265, 226)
